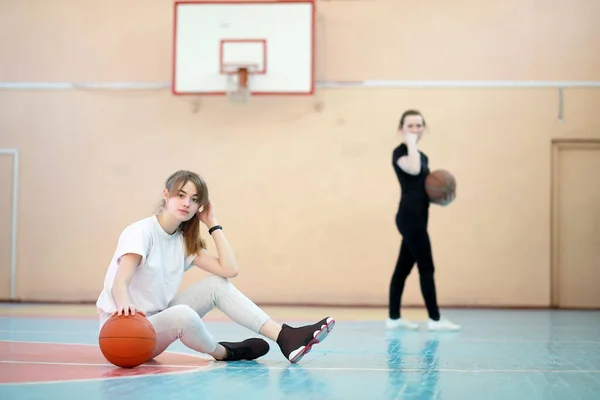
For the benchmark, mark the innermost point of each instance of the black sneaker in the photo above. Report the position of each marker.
(296, 342)
(249, 349)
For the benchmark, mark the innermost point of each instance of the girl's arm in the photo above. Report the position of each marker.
(411, 163)
(225, 265)
(120, 292)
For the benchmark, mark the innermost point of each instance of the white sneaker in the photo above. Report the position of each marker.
(443, 325)
(400, 323)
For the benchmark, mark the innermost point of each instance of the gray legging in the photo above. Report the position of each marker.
(182, 319)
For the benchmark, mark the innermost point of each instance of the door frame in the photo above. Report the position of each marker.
(556, 146)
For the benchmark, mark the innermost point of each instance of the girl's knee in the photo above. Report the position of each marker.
(216, 280)
(184, 315)
(426, 273)
(208, 282)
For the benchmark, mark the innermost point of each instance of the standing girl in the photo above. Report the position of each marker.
(411, 167)
(147, 269)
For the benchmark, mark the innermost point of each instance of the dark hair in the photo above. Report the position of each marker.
(191, 228)
(408, 113)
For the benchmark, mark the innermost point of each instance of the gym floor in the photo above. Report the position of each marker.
(49, 351)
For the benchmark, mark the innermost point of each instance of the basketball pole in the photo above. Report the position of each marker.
(13, 230)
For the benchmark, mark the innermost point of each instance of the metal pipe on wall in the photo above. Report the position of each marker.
(318, 84)
(13, 230)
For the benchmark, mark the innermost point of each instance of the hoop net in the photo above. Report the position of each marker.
(238, 79)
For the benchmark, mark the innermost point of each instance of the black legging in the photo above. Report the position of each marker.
(415, 247)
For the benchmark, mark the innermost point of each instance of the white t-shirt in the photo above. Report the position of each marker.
(158, 277)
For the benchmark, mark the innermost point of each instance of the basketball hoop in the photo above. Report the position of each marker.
(217, 53)
(238, 90)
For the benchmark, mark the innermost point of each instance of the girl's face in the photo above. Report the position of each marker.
(414, 124)
(184, 204)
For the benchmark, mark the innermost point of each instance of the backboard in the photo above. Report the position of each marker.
(274, 40)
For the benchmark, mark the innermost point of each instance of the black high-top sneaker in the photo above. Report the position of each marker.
(295, 343)
(249, 349)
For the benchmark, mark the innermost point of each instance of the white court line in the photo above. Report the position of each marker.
(462, 339)
(54, 343)
(430, 370)
(211, 366)
(96, 364)
(107, 378)
(350, 369)
(471, 340)
(53, 332)
(199, 356)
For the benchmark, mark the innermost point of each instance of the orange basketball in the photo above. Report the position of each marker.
(439, 184)
(127, 341)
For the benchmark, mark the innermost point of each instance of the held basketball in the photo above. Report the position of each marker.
(127, 341)
(440, 184)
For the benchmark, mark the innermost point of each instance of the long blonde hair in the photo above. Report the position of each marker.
(191, 228)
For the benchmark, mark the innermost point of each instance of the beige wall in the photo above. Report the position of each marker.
(307, 198)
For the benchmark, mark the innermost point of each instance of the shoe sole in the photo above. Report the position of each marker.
(318, 337)
(444, 329)
(402, 328)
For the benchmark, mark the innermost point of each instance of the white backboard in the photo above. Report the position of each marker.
(275, 38)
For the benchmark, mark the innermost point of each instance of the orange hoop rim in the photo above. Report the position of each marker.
(234, 68)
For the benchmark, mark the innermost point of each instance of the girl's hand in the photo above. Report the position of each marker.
(410, 138)
(207, 215)
(128, 309)
(449, 199)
